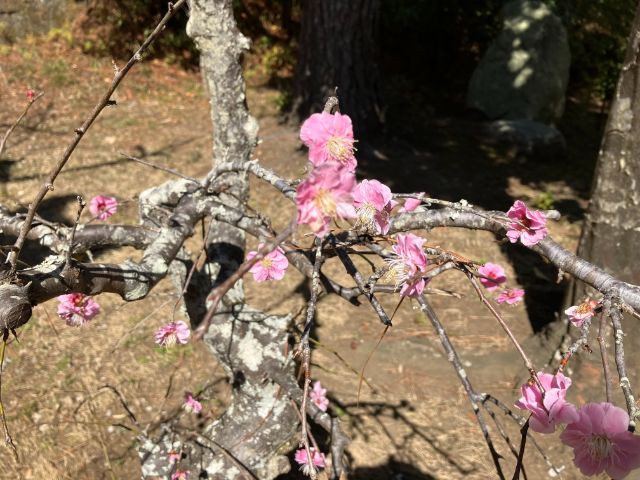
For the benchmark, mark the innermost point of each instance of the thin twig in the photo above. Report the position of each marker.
(505, 436)
(613, 312)
(452, 355)
(305, 351)
(581, 341)
(219, 292)
(123, 402)
(161, 168)
(72, 236)
(523, 442)
(605, 359)
(105, 101)
(7, 436)
(483, 398)
(8, 133)
(503, 324)
(362, 285)
(187, 281)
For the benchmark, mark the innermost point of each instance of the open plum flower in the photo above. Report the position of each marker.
(102, 207)
(410, 264)
(373, 202)
(511, 297)
(191, 405)
(411, 204)
(77, 309)
(550, 409)
(318, 395)
(529, 226)
(601, 441)
(302, 459)
(325, 195)
(492, 276)
(272, 267)
(173, 333)
(180, 475)
(578, 314)
(330, 139)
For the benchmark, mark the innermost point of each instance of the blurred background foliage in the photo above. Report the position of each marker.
(423, 43)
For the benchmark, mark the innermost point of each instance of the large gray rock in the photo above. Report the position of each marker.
(524, 73)
(531, 139)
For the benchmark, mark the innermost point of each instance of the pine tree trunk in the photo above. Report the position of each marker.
(338, 49)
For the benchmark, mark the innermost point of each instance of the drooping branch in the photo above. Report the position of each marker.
(548, 248)
(105, 101)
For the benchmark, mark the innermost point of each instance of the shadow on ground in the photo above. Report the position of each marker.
(453, 158)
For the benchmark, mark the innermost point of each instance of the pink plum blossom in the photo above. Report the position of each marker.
(271, 267)
(410, 204)
(578, 314)
(174, 456)
(601, 441)
(30, 95)
(303, 460)
(410, 263)
(102, 207)
(330, 139)
(327, 193)
(512, 296)
(373, 202)
(530, 226)
(191, 405)
(551, 410)
(172, 333)
(319, 396)
(180, 475)
(494, 274)
(77, 308)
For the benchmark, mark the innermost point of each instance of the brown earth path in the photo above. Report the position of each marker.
(416, 423)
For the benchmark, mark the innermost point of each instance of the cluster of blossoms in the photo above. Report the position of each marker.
(102, 207)
(77, 308)
(331, 191)
(493, 276)
(597, 432)
(173, 333)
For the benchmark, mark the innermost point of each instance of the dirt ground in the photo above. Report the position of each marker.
(64, 388)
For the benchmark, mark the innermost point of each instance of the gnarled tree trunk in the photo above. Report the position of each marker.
(248, 439)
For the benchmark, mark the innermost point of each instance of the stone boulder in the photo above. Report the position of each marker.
(524, 73)
(531, 139)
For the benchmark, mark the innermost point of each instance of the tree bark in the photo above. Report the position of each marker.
(250, 439)
(611, 231)
(338, 49)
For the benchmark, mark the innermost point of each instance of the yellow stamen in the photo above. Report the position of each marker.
(600, 447)
(340, 148)
(325, 202)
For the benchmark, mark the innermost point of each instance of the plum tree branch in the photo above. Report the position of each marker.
(105, 101)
